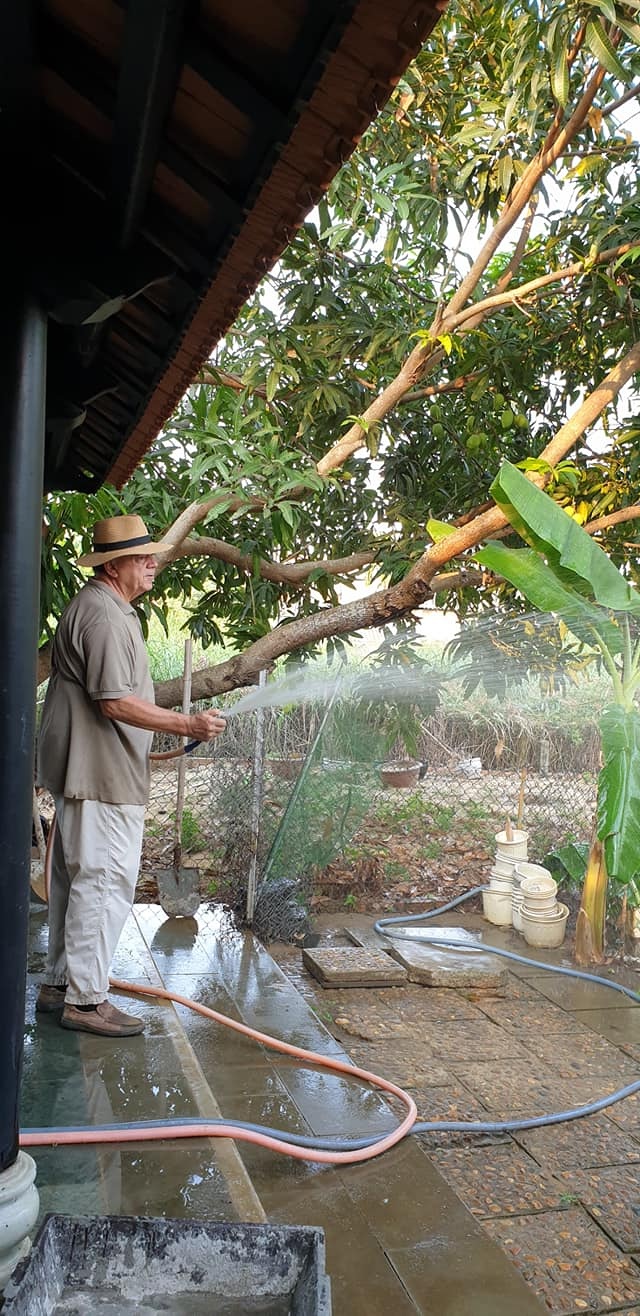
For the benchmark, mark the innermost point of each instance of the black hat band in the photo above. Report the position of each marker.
(121, 543)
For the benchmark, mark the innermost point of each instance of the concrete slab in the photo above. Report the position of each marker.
(365, 936)
(78, 1078)
(372, 940)
(443, 1257)
(344, 966)
(449, 968)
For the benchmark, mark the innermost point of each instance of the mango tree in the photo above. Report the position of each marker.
(467, 282)
(565, 573)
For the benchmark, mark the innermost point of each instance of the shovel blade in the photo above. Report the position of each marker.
(179, 891)
(38, 883)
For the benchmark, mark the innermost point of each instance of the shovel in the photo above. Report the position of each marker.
(38, 855)
(178, 887)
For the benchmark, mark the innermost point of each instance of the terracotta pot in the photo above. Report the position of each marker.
(400, 774)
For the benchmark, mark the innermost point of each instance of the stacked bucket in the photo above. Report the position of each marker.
(523, 895)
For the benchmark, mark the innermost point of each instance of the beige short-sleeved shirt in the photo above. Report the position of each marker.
(98, 653)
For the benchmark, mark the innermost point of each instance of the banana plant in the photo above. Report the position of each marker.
(563, 572)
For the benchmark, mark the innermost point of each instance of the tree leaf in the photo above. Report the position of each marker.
(439, 530)
(607, 8)
(560, 77)
(632, 30)
(618, 821)
(569, 860)
(600, 45)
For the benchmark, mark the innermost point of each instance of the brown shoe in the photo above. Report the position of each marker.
(50, 999)
(105, 1020)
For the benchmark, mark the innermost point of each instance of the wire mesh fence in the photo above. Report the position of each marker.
(311, 816)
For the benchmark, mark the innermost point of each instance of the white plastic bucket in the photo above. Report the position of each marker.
(536, 871)
(497, 907)
(516, 848)
(548, 933)
(498, 882)
(504, 866)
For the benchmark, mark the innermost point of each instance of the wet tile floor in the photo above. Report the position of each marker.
(563, 1202)
(453, 1224)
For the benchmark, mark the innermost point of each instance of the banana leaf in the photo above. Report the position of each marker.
(618, 811)
(569, 550)
(568, 862)
(538, 581)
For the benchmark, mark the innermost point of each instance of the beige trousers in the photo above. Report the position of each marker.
(95, 863)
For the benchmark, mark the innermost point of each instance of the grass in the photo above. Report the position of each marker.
(166, 652)
(191, 834)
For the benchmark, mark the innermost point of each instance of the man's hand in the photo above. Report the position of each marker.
(135, 712)
(205, 726)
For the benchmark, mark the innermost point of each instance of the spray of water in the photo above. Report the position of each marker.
(397, 682)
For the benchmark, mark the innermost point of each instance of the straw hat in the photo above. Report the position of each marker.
(120, 536)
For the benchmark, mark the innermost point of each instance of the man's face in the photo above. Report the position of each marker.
(135, 574)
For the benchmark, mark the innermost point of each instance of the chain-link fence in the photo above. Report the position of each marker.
(295, 797)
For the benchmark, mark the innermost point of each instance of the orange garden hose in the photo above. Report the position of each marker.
(75, 1137)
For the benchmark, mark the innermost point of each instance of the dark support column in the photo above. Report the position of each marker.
(23, 337)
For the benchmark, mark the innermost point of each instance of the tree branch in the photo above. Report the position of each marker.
(613, 518)
(420, 582)
(433, 390)
(497, 300)
(291, 573)
(622, 100)
(423, 358)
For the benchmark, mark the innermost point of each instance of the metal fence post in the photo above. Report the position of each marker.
(182, 763)
(256, 802)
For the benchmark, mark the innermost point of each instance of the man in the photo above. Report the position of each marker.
(97, 725)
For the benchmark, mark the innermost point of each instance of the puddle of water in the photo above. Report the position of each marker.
(85, 1301)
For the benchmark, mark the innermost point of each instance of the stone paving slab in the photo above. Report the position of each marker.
(376, 940)
(519, 989)
(481, 1040)
(578, 1042)
(626, 1114)
(438, 1005)
(583, 1144)
(620, 1026)
(498, 1180)
(332, 1000)
(369, 1026)
(612, 1197)
(568, 1261)
(525, 1086)
(447, 968)
(449, 1103)
(527, 1017)
(341, 966)
(582, 1055)
(436, 1247)
(403, 1063)
(574, 995)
